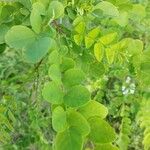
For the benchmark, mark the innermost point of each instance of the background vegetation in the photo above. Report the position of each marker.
(74, 74)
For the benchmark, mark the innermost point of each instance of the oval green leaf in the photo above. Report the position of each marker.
(59, 119)
(70, 139)
(77, 96)
(101, 131)
(53, 93)
(73, 77)
(76, 120)
(56, 9)
(19, 36)
(93, 108)
(38, 49)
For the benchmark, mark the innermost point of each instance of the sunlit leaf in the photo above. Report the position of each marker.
(53, 93)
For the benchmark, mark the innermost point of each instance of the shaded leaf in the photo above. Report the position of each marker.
(73, 77)
(38, 49)
(70, 139)
(77, 96)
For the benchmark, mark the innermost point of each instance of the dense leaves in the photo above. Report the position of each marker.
(74, 75)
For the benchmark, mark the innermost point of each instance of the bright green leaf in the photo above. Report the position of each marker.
(78, 38)
(56, 9)
(90, 38)
(88, 42)
(99, 51)
(138, 12)
(40, 7)
(108, 38)
(54, 73)
(59, 119)
(80, 27)
(94, 33)
(135, 47)
(101, 131)
(53, 93)
(93, 108)
(108, 8)
(122, 19)
(76, 120)
(54, 57)
(35, 17)
(110, 54)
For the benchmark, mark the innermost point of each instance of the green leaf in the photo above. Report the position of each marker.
(101, 131)
(138, 12)
(53, 93)
(26, 3)
(59, 119)
(76, 120)
(19, 36)
(90, 38)
(88, 42)
(67, 63)
(3, 31)
(78, 38)
(96, 70)
(54, 57)
(135, 47)
(108, 8)
(94, 33)
(56, 9)
(77, 96)
(107, 146)
(99, 51)
(93, 108)
(35, 17)
(40, 7)
(38, 49)
(73, 77)
(110, 54)
(54, 73)
(70, 139)
(122, 19)
(108, 38)
(44, 2)
(80, 27)
(36, 21)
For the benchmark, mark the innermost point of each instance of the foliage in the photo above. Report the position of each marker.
(74, 75)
